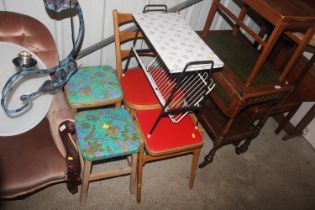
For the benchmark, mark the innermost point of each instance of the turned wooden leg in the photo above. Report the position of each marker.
(208, 158)
(244, 147)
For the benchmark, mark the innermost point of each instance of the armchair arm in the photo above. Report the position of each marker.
(62, 127)
(72, 155)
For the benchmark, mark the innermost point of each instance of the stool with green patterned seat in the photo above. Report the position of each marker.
(93, 86)
(103, 134)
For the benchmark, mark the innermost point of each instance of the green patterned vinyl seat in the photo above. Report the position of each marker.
(106, 133)
(93, 86)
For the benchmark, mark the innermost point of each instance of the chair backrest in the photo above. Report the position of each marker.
(30, 33)
(125, 36)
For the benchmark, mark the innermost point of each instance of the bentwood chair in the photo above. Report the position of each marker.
(168, 139)
(44, 155)
(138, 93)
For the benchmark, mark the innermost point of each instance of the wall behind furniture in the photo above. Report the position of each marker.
(98, 25)
(98, 22)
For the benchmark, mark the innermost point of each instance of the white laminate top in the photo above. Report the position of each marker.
(175, 41)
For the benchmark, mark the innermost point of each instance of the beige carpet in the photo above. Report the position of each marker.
(272, 174)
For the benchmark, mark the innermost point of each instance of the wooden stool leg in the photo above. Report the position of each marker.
(133, 172)
(194, 165)
(85, 181)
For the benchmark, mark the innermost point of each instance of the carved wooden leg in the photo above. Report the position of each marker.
(209, 157)
(244, 147)
(236, 143)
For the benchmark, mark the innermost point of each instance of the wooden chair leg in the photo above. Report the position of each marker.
(194, 166)
(133, 172)
(139, 173)
(285, 121)
(85, 181)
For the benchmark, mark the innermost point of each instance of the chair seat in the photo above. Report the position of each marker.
(93, 85)
(106, 133)
(167, 135)
(137, 89)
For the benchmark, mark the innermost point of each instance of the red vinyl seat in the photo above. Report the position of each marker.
(167, 135)
(137, 89)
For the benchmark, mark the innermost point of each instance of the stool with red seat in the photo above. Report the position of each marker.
(168, 139)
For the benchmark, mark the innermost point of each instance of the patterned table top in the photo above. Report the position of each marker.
(175, 41)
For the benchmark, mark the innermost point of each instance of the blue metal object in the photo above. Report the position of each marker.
(60, 74)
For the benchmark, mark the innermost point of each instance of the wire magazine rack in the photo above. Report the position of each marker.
(179, 93)
(180, 71)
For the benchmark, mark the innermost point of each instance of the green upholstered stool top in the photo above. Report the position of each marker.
(106, 133)
(93, 84)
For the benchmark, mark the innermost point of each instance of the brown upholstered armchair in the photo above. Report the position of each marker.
(44, 155)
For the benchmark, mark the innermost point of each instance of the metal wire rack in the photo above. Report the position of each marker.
(179, 93)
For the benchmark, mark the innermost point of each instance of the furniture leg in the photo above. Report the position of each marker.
(309, 116)
(133, 172)
(85, 181)
(244, 147)
(286, 120)
(139, 173)
(210, 17)
(195, 160)
(210, 156)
